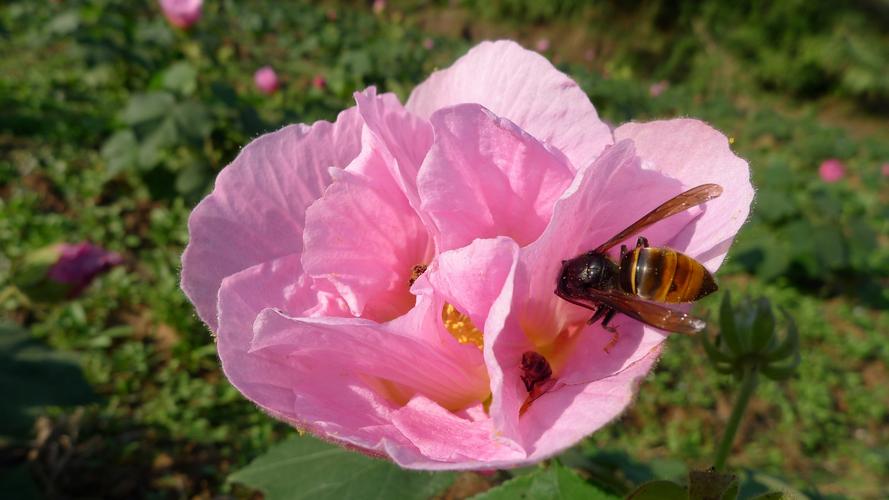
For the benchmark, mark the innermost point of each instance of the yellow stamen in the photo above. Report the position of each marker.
(460, 326)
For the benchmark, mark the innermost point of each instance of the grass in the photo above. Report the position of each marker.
(169, 425)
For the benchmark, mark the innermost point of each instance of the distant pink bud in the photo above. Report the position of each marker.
(885, 170)
(182, 13)
(589, 55)
(319, 82)
(542, 45)
(428, 43)
(658, 88)
(379, 6)
(80, 263)
(831, 170)
(266, 80)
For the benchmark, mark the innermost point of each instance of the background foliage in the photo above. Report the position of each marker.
(114, 124)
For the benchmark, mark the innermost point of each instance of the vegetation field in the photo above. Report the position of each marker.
(114, 124)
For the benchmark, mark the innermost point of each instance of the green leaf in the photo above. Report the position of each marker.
(193, 119)
(151, 150)
(33, 376)
(307, 468)
(710, 484)
(147, 107)
(180, 77)
(775, 495)
(659, 490)
(192, 179)
(120, 151)
(554, 482)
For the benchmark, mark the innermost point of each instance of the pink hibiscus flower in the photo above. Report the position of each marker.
(182, 13)
(266, 80)
(831, 170)
(379, 280)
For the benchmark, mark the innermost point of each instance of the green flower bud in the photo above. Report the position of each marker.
(749, 339)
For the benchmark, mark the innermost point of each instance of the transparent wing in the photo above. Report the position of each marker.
(680, 203)
(649, 313)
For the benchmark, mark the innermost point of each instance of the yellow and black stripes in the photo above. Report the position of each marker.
(664, 275)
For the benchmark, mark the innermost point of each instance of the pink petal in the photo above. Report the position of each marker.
(472, 277)
(523, 87)
(364, 237)
(605, 198)
(695, 153)
(406, 137)
(256, 210)
(394, 363)
(485, 177)
(455, 442)
(310, 394)
(565, 415)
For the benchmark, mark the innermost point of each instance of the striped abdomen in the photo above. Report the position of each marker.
(664, 275)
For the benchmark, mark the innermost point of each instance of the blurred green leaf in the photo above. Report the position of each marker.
(65, 23)
(712, 485)
(157, 141)
(33, 376)
(17, 483)
(180, 77)
(146, 107)
(659, 490)
(193, 119)
(552, 482)
(775, 495)
(307, 468)
(193, 178)
(120, 151)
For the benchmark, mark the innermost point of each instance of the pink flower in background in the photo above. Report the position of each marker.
(266, 80)
(379, 6)
(319, 82)
(182, 13)
(885, 169)
(80, 263)
(658, 88)
(377, 281)
(428, 43)
(542, 44)
(831, 170)
(64, 270)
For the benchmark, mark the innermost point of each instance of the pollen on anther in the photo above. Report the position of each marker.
(460, 326)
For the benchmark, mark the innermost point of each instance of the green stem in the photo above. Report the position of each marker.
(748, 385)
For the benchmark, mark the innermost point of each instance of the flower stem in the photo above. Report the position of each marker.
(748, 385)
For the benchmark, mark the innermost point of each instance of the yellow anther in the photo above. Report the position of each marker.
(460, 326)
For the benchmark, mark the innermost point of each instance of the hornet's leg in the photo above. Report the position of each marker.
(615, 335)
(600, 312)
(642, 242)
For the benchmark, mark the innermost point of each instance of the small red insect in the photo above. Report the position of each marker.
(537, 377)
